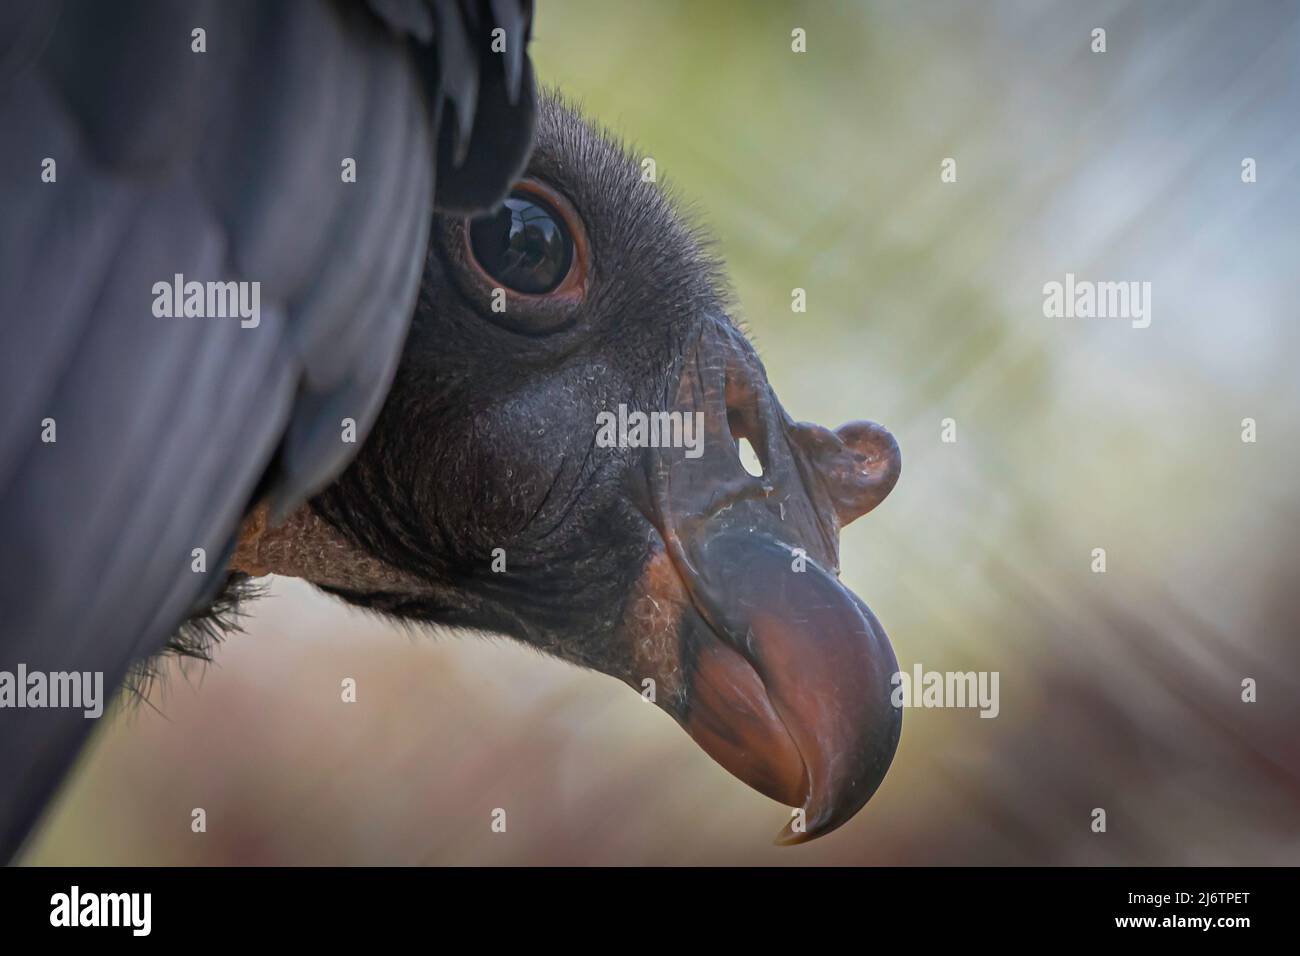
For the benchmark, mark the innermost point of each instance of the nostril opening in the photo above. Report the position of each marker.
(744, 432)
(749, 458)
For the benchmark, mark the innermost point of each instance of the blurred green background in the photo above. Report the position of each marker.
(821, 171)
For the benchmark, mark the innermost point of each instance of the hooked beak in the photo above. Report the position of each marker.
(778, 671)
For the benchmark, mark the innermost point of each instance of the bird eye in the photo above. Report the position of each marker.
(525, 245)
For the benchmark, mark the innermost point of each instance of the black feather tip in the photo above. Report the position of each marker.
(198, 637)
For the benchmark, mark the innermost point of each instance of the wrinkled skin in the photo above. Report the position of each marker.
(643, 563)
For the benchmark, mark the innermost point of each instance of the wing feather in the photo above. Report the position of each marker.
(218, 166)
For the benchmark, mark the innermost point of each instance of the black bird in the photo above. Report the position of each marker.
(146, 139)
(488, 494)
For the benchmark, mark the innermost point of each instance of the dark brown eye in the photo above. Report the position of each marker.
(525, 245)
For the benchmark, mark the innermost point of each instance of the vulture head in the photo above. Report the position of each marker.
(558, 461)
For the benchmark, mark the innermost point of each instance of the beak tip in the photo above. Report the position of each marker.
(789, 836)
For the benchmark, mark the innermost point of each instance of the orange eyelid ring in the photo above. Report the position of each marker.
(573, 288)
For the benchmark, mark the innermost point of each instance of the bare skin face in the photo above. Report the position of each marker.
(482, 497)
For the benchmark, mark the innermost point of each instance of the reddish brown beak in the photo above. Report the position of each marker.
(813, 666)
(777, 670)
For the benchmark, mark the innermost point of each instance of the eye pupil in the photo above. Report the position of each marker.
(524, 245)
